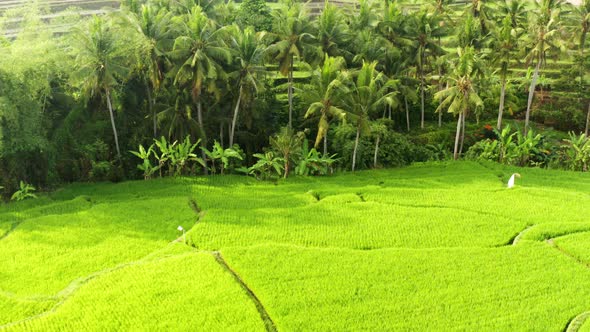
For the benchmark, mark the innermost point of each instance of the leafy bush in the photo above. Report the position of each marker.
(576, 152)
(513, 148)
(312, 162)
(25, 191)
(254, 13)
(395, 149)
(268, 166)
(147, 167)
(223, 155)
(177, 156)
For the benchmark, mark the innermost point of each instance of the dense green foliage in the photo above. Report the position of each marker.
(351, 80)
(433, 246)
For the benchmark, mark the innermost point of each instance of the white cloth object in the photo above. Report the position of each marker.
(511, 181)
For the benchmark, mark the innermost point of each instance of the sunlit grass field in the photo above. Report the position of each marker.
(435, 246)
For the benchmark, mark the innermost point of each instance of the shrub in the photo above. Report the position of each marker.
(25, 191)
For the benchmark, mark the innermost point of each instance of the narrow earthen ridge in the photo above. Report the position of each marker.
(518, 236)
(577, 322)
(12, 228)
(554, 245)
(268, 323)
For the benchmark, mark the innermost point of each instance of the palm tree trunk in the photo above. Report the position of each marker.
(502, 98)
(422, 103)
(326, 144)
(457, 135)
(422, 90)
(531, 95)
(356, 145)
(439, 119)
(463, 132)
(109, 104)
(152, 110)
(291, 94)
(203, 134)
(235, 119)
(407, 113)
(286, 165)
(221, 134)
(587, 121)
(376, 152)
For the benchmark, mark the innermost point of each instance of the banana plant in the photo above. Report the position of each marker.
(577, 152)
(266, 165)
(314, 163)
(166, 150)
(183, 154)
(25, 191)
(221, 154)
(146, 165)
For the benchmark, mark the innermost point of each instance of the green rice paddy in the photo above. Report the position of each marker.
(435, 246)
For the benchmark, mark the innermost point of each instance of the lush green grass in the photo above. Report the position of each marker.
(530, 287)
(428, 247)
(179, 292)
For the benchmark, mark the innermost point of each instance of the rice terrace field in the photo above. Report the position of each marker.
(435, 246)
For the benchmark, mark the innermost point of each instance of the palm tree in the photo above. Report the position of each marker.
(461, 94)
(545, 38)
(580, 29)
(505, 41)
(365, 94)
(176, 117)
(427, 30)
(101, 62)
(202, 52)
(293, 30)
(249, 55)
(332, 31)
(322, 95)
(515, 10)
(481, 11)
(152, 27)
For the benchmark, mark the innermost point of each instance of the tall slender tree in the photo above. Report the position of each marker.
(368, 90)
(427, 30)
(545, 38)
(322, 94)
(202, 51)
(579, 30)
(151, 26)
(102, 60)
(505, 42)
(294, 35)
(461, 94)
(248, 50)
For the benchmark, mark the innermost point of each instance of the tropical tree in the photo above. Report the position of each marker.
(151, 26)
(580, 29)
(248, 50)
(288, 145)
(367, 92)
(482, 11)
(176, 114)
(515, 10)
(322, 94)
(294, 35)
(427, 30)
(101, 62)
(202, 51)
(461, 94)
(505, 41)
(545, 38)
(332, 31)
